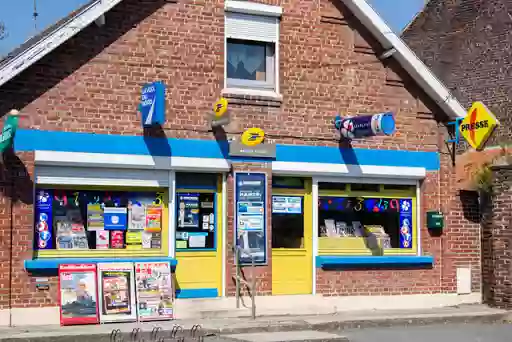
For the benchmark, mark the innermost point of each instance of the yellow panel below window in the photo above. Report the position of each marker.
(291, 272)
(354, 246)
(198, 270)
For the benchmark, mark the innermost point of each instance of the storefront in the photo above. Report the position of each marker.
(302, 217)
(118, 185)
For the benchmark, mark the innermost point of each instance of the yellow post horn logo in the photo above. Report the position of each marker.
(253, 137)
(220, 107)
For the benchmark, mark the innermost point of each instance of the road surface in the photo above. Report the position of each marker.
(471, 332)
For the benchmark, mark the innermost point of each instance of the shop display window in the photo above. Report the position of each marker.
(195, 221)
(70, 220)
(367, 219)
(287, 222)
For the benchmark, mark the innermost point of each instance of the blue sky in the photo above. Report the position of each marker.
(17, 16)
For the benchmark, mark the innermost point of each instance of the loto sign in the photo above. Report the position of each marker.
(476, 127)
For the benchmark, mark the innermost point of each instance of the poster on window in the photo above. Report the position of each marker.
(406, 223)
(137, 216)
(286, 205)
(115, 218)
(188, 211)
(78, 295)
(153, 219)
(117, 292)
(155, 293)
(250, 209)
(44, 220)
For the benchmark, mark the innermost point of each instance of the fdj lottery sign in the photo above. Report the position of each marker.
(152, 104)
(366, 125)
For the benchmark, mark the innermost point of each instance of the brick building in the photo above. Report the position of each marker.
(345, 220)
(467, 45)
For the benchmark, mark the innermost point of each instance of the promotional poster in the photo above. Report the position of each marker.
(115, 218)
(188, 214)
(286, 205)
(117, 293)
(250, 216)
(153, 219)
(78, 295)
(155, 293)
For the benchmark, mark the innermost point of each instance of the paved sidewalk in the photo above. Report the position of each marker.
(229, 326)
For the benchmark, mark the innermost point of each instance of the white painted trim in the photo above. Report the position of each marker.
(268, 94)
(367, 180)
(200, 164)
(129, 161)
(224, 231)
(61, 34)
(276, 60)
(171, 215)
(342, 170)
(314, 196)
(73, 175)
(406, 57)
(419, 213)
(249, 7)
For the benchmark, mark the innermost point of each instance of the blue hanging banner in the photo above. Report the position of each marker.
(152, 104)
(251, 213)
(406, 223)
(44, 219)
(366, 125)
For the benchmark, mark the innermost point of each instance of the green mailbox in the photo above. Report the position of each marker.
(435, 220)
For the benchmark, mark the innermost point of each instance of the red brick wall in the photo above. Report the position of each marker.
(466, 43)
(328, 65)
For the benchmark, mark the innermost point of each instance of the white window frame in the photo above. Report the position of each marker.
(270, 73)
(271, 85)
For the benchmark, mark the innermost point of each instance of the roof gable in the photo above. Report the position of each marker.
(36, 48)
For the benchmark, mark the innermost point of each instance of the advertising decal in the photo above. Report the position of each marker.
(250, 210)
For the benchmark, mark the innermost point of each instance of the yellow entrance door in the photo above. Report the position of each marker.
(199, 241)
(292, 240)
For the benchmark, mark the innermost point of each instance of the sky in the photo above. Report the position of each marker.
(18, 18)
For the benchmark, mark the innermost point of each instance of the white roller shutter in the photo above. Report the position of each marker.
(70, 175)
(252, 27)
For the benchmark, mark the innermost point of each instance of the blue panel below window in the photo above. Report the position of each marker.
(52, 264)
(197, 293)
(395, 261)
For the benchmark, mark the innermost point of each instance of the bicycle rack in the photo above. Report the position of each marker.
(135, 336)
(116, 336)
(155, 333)
(195, 333)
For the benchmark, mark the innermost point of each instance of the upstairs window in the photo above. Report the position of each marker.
(252, 36)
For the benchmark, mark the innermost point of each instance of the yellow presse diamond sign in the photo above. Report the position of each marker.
(478, 125)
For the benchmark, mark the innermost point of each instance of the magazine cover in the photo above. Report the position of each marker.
(155, 293)
(117, 292)
(153, 219)
(78, 295)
